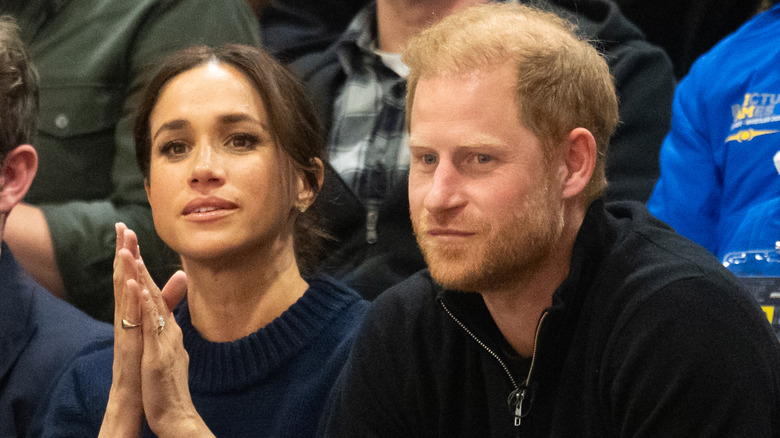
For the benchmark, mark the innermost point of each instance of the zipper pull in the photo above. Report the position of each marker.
(515, 402)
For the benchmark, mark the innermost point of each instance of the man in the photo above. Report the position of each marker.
(94, 57)
(544, 312)
(359, 86)
(38, 332)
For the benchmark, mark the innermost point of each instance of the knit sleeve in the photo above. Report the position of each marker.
(78, 400)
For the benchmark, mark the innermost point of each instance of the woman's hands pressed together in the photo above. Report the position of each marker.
(150, 370)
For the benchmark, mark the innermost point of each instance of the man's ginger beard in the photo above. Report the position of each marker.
(501, 254)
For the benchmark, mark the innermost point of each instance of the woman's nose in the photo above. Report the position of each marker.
(207, 168)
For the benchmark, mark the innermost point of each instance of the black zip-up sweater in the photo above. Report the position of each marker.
(648, 336)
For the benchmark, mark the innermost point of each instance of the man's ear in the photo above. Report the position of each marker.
(306, 193)
(580, 161)
(16, 176)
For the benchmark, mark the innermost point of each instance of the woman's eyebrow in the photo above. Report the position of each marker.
(173, 125)
(238, 118)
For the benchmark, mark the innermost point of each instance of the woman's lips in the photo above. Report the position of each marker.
(210, 206)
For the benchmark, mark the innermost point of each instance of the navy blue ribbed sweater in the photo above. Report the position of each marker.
(273, 382)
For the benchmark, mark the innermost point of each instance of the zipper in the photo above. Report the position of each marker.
(517, 397)
(372, 218)
(519, 392)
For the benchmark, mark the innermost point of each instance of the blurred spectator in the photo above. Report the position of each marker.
(359, 86)
(93, 57)
(720, 168)
(292, 28)
(687, 29)
(38, 332)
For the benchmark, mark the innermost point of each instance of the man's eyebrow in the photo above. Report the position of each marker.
(482, 142)
(413, 144)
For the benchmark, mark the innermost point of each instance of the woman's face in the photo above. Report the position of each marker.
(219, 186)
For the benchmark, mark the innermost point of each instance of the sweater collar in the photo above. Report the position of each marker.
(568, 297)
(217, 367)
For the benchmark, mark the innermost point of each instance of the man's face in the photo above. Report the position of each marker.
(486, 208)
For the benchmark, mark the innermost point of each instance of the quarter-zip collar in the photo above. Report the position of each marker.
(521, 396)
(553, 330)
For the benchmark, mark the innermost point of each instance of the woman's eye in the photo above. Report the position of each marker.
(173, 149)
(244, 141)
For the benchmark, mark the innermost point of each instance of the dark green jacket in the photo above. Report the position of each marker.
(94, 57)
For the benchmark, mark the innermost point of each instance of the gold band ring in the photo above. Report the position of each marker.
(127, 325)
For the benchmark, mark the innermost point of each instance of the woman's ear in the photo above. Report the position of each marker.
(580, 159)
(16, 176)
(306, 193)
(146, 187)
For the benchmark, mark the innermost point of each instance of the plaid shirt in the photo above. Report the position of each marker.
(368, 141)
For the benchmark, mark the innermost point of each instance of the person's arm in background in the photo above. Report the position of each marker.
(28, 237)
(644, 81)
(71, 244)
(687, 195)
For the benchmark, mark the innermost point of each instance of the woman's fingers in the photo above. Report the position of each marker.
(119, 270)
(124, 411)
(165, 366)
(125, 269)
(131, 315)
(131, 242)
(157, 318)
(145, 278)
(128, 340)
(128, 343)
(120, 230)
(175, 290)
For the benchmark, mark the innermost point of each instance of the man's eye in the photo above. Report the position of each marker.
(483, 158)
(429, 159)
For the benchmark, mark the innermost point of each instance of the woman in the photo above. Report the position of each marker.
(230, 150)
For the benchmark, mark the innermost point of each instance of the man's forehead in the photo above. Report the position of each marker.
(475, 74)
(465, 140)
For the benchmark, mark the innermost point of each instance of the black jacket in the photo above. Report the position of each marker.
(648, 336)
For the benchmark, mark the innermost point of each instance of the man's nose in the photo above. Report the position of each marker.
(444, 192)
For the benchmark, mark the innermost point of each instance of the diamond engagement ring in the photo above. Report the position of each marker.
(127, 325)
(161, 325)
